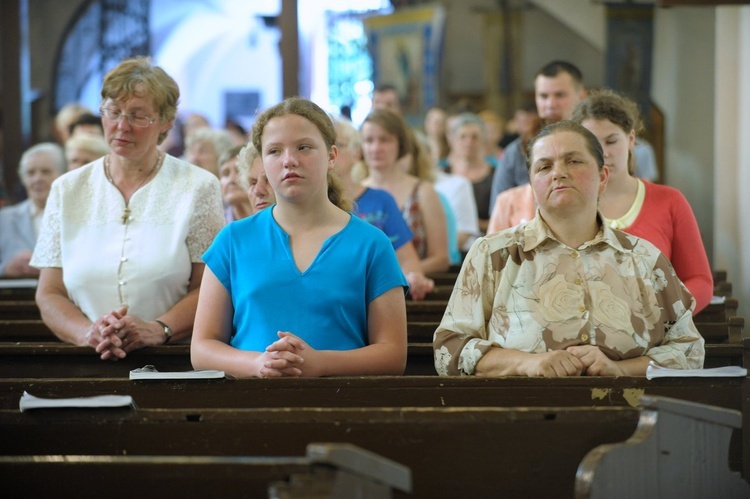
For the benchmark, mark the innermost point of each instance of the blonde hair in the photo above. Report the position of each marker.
(87, 142)
(139, 77)
(345, 130)
(314, 114)
(68, 114)
(421, 162)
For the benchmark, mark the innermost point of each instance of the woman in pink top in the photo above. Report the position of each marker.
(512, 207)
(657, 213)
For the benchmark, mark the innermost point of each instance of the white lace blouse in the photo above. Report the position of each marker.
(144, 263)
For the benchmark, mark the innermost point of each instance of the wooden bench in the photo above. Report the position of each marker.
(54, 359)
(17, 289)
(679, 450)
(325, 469)
(382, 391)
(452, 452)
(60, 360)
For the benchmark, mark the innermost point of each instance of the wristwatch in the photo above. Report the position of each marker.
(167, 330)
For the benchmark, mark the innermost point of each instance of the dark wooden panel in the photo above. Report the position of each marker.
(382, 391)
(466, 452)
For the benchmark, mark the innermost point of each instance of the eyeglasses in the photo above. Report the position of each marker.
(114, 115)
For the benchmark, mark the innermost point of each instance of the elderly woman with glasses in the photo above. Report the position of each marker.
(122, 237)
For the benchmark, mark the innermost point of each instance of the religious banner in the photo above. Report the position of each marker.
(406, 48)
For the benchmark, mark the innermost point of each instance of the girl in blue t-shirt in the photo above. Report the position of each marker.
(378, 207)
(303, 288)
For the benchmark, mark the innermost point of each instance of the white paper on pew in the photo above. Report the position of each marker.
(717, 300)
(656, 371)
(18, 283)
(150, 372)
(29, 401)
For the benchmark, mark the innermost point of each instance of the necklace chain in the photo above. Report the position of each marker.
(126, 212)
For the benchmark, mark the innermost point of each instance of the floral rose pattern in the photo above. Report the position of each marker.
(523, 289)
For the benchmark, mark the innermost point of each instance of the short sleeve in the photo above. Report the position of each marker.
(383, 270)
(207, 219)
(462, 338)
(218, 257)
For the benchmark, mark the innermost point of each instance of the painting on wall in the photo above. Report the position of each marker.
(406, 49)
(629, 47)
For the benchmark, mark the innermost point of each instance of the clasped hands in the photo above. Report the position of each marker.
(581, 360)
(116, 334)
(289, 356)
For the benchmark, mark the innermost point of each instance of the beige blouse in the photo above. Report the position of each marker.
(523, 289)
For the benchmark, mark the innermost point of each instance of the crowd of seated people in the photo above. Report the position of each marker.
(138, 248)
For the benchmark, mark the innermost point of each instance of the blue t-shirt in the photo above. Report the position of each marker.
(326, 305)
(377, 207)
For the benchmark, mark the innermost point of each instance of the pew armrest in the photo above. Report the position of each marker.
(362, 462)
(679, 449)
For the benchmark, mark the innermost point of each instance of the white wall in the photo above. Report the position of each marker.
(462, 50)
(582, 16)
(683, 87)
(732, 153)
(539, 47)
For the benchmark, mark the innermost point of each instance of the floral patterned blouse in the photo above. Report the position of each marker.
(523, 289)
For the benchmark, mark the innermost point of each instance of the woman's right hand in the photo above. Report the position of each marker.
(419, 285)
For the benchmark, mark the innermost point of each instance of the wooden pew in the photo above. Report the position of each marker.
(60, 360)
(17, 289)
(382, 391)
(326, 469)
(19, 309)
(679, 450)
(452, 452)
(30, 330)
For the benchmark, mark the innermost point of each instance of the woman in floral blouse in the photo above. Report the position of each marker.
(565, 295)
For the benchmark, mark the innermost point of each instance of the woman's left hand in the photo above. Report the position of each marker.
(595, 362)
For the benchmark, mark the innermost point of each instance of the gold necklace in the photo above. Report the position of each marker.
(126, 212)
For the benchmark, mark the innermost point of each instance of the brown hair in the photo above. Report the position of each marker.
(139, 77)
(618, 109)
(394, 124)
(592, 143)
(314, 114)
